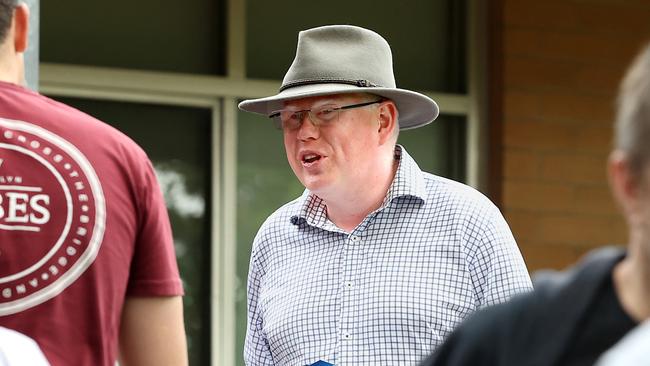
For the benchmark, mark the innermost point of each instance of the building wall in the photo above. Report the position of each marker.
(560, 67)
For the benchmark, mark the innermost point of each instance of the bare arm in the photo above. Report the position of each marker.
(152, 332)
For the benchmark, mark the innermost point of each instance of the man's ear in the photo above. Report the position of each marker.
(21, 27)
(387, 113)
(622, 180)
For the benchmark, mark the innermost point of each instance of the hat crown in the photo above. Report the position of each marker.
(342, 53)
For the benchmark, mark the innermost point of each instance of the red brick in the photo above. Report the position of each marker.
(581, 230)
(562, 64)
(535, 196)
(602, 17)
(522, 224)
(521, 104)
(594, 138)
(579, 48)
(574, 107)
(548, 256)
(531, 74)
(573, 168)
(521, 164)
(539, 136)
(558, 136)
(595, 199)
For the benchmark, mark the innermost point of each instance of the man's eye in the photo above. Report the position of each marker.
(327, 113)
(293, 116)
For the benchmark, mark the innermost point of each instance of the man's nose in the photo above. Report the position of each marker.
(308, 129)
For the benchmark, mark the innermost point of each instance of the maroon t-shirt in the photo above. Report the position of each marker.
(82, 226)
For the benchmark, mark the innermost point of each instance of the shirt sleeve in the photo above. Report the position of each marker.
(256, 347)
(495, 263)
(154, 271)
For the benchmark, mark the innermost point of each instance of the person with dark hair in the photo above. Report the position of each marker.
(377, 261)
(87, 263)
(6, 11)
(573, 317)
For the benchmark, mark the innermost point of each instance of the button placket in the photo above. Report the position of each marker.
(353, 257)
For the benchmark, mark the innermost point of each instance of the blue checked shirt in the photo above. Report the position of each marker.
(388, 292)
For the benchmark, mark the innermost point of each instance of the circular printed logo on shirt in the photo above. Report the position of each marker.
(52, 215)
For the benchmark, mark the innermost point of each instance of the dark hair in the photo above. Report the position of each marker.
(632, 128)
(6, 14)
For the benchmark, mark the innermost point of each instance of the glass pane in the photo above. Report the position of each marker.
(177, 36)
(177, 141)
(427, 37)
(439, 147)
(266, 182)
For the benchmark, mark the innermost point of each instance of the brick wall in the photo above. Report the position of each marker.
(561, 63)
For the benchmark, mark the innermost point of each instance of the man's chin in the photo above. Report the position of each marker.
(315, 185)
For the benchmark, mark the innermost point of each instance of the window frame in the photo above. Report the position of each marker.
(220, 94)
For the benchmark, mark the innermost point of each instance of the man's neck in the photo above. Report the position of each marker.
(348, 209)
(632, 282)
(11, 70)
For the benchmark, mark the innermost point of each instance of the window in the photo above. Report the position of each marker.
(169, 74)
(180, 153)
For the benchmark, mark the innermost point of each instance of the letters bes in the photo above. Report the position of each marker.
(18, 206)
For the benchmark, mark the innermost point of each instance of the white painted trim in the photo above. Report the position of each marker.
(224, 177)
(225, 353)
(91, 78)
(217, 277)
(229, 238)
(81, 91)
(183, 89)
(454, 104)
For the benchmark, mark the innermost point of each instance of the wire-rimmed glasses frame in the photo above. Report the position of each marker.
(289, 119)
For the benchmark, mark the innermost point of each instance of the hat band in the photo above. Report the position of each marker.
(360, 83)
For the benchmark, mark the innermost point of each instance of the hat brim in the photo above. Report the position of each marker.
(415, 109)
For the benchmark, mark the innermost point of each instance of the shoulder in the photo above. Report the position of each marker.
(476, 219)
(442, 191)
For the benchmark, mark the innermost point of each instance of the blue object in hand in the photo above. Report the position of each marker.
(321, 363)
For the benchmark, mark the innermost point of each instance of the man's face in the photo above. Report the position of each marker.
(335, 157)
(630, 184)
(640, 213)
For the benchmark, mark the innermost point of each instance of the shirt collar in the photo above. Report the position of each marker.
(408, 181)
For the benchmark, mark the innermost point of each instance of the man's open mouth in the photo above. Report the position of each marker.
(310, 158)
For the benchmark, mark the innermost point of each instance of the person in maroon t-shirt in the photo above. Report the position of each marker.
(87, 263)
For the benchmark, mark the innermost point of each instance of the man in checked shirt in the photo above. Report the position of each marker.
(377, 262)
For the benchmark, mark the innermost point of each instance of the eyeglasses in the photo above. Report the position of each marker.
(290, 120)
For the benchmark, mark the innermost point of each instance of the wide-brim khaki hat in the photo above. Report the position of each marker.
(337, 59)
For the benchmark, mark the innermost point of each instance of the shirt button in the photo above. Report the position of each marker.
(348, 284)
(355, 239)
(347, 336)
